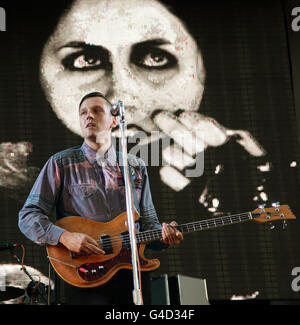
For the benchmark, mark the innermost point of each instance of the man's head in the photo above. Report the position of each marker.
(94, 94)
(95, 117)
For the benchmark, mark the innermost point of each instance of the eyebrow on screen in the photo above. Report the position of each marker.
(76, 44)
(147, 43)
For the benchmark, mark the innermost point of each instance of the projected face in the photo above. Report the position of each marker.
(138, 52)
(132, 50)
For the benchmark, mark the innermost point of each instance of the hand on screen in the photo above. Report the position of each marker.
(192, 133)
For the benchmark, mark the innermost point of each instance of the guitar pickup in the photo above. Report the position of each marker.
(106, 244)
(125, 240)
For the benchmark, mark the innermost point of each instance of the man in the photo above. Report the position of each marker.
(88, 181)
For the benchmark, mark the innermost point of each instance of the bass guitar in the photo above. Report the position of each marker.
(96, 269)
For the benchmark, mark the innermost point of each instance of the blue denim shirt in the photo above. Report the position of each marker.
(74, 182)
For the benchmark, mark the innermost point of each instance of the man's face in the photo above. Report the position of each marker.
(95, 119)
(130, 50)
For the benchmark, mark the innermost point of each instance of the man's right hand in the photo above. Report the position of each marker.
(80, 243)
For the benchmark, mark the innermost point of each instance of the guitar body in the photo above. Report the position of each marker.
(94, 270)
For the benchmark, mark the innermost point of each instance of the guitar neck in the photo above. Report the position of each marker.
(151, 235)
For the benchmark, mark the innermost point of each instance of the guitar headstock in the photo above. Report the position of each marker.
(276, 212)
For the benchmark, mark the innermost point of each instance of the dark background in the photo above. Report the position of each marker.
(250, 55)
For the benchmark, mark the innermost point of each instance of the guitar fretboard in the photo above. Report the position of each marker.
(150, 235)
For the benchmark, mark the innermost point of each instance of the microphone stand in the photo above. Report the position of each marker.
(129, 199)
(38, 288)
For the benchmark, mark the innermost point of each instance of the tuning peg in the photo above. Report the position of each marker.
(276, 204)
(271, 227)
(262, 206)
(284, 224)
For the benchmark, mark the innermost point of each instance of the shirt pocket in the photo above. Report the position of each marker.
(83, 191)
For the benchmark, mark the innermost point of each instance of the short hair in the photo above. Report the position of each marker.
(93, 94)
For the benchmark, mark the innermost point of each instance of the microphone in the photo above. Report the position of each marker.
(115, 110)
(4, 246)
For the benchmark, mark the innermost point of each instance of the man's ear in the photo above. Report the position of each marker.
(114, 122)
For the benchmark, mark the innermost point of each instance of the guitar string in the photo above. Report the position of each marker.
(153, 234)
(198, 225)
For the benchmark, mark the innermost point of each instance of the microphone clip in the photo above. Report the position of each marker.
(115, 110)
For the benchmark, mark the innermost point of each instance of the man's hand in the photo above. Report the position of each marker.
(170, 235)
(80, 243)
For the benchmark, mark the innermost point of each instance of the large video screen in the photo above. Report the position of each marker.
(209, 100)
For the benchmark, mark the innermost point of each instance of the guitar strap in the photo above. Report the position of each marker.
(121, 165)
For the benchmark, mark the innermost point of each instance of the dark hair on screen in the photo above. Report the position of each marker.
(93, 94)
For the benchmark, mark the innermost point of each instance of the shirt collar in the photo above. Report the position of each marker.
(110, 157)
